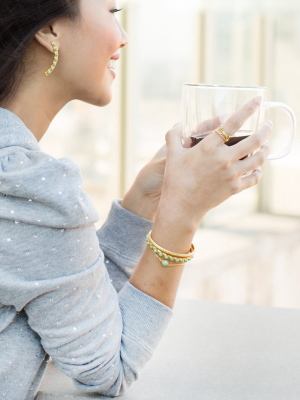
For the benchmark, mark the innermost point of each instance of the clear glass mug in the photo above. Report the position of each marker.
(202, 102)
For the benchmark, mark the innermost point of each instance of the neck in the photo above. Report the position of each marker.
(38, 100)
(36, 116)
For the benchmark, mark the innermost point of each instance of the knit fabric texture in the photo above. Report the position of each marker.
(64, 289)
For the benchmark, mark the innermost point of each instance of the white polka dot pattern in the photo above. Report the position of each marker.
(54, 274)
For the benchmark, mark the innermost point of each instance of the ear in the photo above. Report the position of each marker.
(46, 36)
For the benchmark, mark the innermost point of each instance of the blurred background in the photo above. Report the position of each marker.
(248, 249)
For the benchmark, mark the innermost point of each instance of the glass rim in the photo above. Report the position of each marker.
(208, 86)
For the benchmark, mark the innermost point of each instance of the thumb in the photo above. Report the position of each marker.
(174, 137)
(162, 152)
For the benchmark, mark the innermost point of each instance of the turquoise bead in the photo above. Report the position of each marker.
(160, 254)
(171, 258)
(155, 250)
(165, 263)
(151, 247)
(176, 259)
(166, 257)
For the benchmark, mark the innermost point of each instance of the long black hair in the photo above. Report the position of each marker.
(20, 20)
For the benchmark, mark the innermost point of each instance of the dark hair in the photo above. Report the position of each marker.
(20, 20)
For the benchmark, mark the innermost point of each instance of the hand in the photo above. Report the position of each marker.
(150, 178)
(148, 184)
(144, 195)
(200, 178)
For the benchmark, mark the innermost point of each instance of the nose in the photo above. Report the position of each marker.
(125, 38)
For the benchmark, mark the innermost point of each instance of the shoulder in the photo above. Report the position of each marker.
(37, 188)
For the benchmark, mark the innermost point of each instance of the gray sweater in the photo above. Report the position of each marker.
(64, 289)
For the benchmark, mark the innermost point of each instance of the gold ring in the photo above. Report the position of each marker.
(220, 131)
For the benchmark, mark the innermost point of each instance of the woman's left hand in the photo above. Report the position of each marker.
(144, 195)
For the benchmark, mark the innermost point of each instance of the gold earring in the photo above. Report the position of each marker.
(55, 59)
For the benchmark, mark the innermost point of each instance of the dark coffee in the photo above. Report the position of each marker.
(232, 141)
(195, 139)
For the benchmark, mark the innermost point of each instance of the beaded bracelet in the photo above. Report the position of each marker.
(163, 255)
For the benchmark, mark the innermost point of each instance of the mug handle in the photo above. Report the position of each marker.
(272, 104)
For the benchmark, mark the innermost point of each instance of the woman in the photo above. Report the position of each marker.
(64, 288)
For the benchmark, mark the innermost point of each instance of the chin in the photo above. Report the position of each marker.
(103, 101)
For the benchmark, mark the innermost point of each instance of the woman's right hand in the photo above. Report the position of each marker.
(200, 178)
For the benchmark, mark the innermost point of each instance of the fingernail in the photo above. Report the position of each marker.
(258, 100)
(270, 123)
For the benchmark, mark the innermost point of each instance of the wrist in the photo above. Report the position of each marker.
(172, 210)
(172, 230)
(137, 203)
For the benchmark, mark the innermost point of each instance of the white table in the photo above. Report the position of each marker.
(213, 351)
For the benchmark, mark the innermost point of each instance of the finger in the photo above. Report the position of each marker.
(237, 120)
(174, 137)
(252, 143)
(255, 161)
(160, 153)
(224, 118)
(251, 180)
(207, 126)
(211, 124)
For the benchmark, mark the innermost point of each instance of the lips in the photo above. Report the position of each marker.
(115, 56)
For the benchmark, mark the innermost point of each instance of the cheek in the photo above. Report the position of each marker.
(102, 40)
(87, 56)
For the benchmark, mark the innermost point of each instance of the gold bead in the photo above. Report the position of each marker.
(55, 59)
